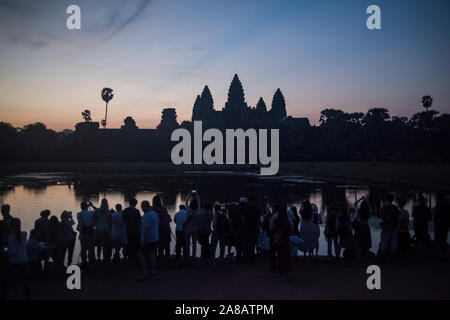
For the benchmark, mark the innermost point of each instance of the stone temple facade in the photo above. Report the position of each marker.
(236, 112)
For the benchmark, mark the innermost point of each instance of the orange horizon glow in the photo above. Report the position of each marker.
(161, 55)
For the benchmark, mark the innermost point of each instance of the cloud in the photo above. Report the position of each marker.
(15, 5)
(36, 24)
(117, 24)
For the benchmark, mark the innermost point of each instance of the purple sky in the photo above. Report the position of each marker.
(160, 53)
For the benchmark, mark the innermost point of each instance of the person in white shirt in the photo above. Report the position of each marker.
(18, 259)
(180, 219)
(149, 241)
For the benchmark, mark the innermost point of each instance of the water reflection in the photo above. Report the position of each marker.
(29, 195)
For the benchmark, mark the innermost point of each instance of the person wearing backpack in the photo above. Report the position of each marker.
(87, 237)
(389, 227)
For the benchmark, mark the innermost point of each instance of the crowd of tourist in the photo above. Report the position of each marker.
(239, 231)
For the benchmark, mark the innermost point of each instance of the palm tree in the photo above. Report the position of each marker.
(427, 102)
(86, 114)
(107, 95)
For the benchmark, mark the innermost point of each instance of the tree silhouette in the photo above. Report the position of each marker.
(374, 121)
(425, 120)
(334, 122)
(427, 102)
(129, 124)
(39, 139)
(107, 95)
(86, 114)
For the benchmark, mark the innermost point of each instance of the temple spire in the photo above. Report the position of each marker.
(278, 110)
(196, 111)
(261, 105)
(236, 97)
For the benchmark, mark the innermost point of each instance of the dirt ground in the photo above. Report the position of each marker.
(321, 279)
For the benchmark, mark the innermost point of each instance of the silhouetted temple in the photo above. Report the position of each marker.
(374, 134)
(89, 140)
(236, 112)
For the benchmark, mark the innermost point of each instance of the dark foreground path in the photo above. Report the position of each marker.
(229, 280)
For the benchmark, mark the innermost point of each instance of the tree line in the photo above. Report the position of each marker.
(339, 135)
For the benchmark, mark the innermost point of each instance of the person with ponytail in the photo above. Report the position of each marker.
(18, 259)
